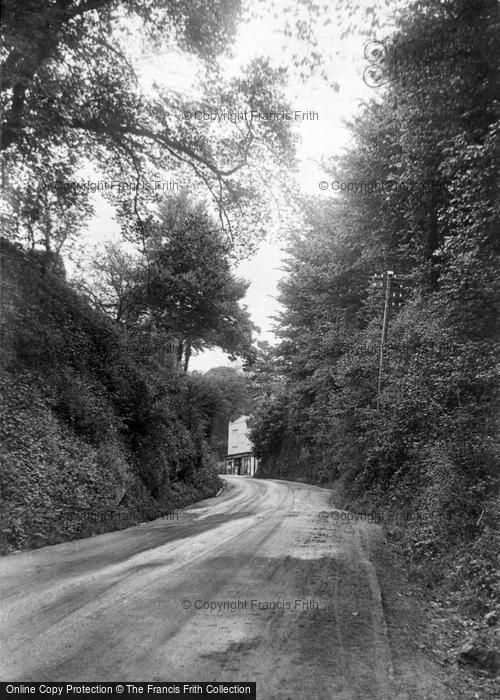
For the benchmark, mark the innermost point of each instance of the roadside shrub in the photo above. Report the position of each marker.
(93, 436)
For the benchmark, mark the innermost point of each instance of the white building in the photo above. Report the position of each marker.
(240, 459)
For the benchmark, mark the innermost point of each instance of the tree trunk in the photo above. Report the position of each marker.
(187, 356)
(180, 352)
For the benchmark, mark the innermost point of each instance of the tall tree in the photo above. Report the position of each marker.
(71, 89)
(182, 287)
(423, 201)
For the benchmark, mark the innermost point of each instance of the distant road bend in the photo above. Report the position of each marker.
(252, 585)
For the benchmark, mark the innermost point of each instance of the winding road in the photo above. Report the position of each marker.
(258, 584)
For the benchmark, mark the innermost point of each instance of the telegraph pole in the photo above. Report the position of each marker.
(388, 280)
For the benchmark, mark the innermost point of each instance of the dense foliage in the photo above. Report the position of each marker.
(74, 100)
(96, 432)
(425, 204)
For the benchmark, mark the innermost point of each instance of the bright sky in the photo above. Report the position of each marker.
(320, 138)
(327, 135)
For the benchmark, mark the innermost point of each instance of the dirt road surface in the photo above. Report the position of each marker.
(259, 584)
